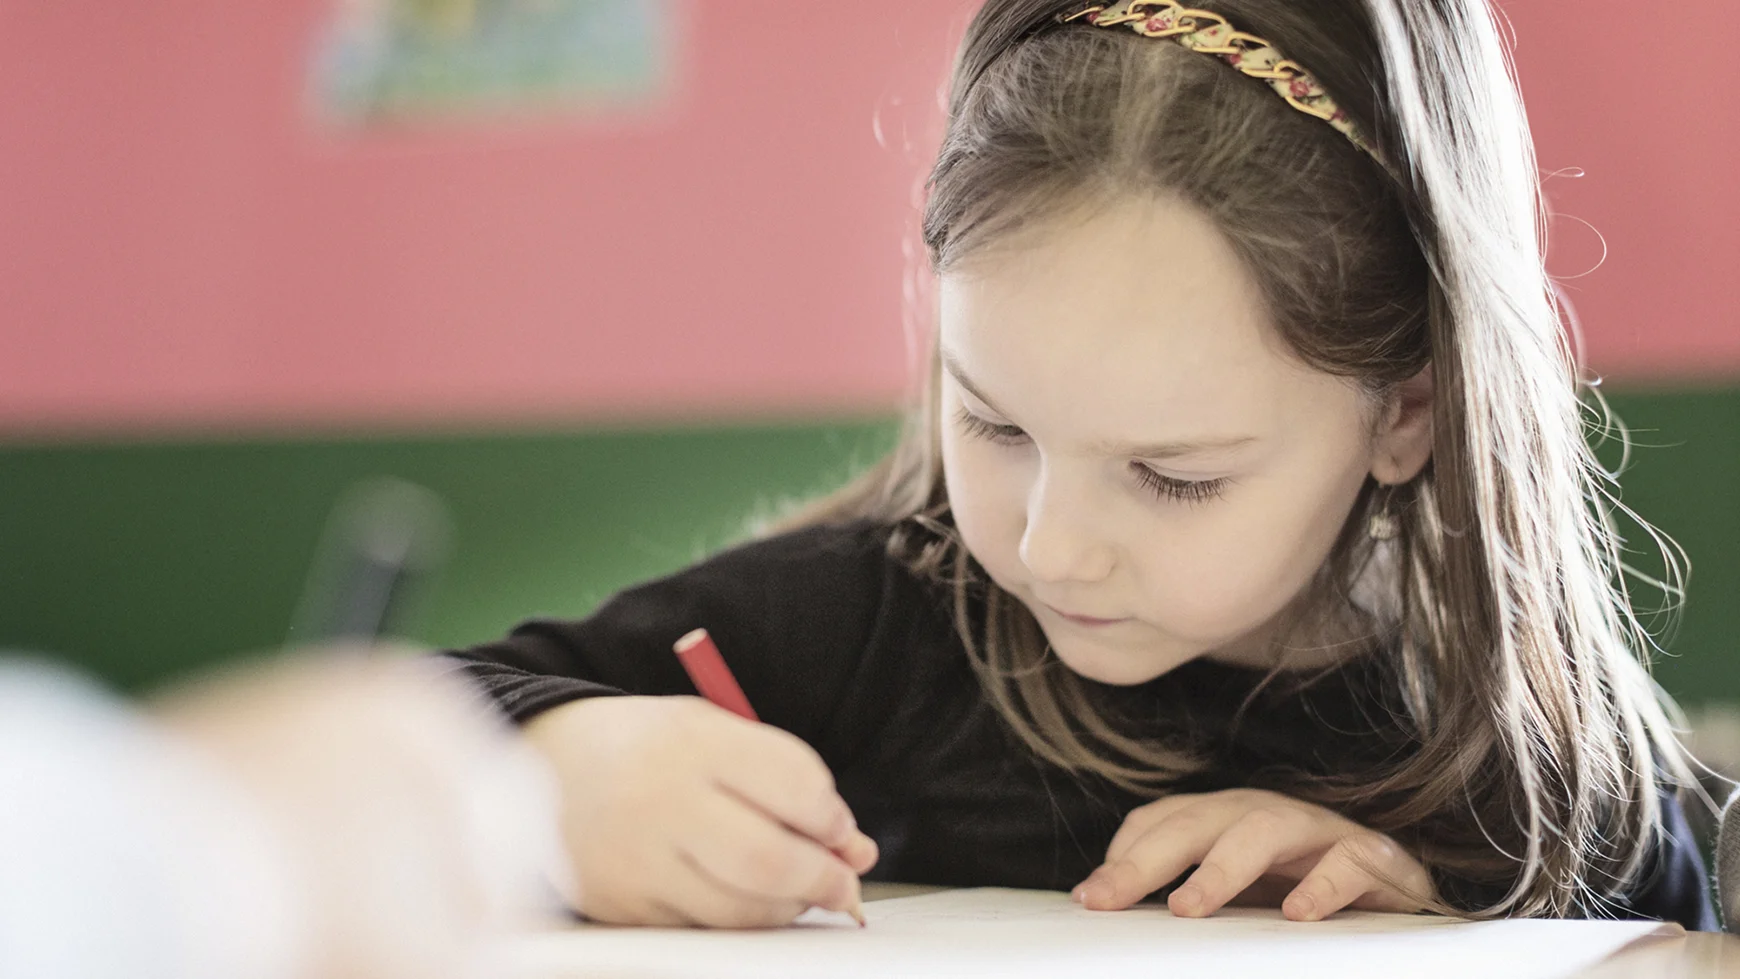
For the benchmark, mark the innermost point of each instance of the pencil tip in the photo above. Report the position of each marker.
(857, 914)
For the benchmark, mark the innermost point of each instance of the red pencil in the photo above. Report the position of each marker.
(701, 660)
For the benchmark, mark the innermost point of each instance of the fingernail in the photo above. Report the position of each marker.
(1079, 894)
(1188, 898)
(1096, 892)
(1301, 906)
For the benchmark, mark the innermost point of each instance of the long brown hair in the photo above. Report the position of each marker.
(1540, 735)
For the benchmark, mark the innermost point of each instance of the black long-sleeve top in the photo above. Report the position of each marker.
(840, 644)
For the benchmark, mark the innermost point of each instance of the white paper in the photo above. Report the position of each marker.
(1043, 935)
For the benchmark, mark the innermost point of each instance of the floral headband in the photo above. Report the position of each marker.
(1209, 33)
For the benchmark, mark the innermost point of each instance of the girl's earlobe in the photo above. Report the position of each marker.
(1404, 445)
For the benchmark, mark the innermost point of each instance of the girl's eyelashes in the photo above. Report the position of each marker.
(1182, 490)
(990, 431)
(1164, 487)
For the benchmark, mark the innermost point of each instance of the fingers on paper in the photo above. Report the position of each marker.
(1257, 840)
(753, 856)
(692, 898)
(1245, 842)
(707, 902)
(1365, 870)
(1140, 821)
(785, 778)
(1230, 846)
(1154, 859)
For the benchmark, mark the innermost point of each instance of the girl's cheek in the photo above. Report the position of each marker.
(986, 496)
(1208, 584)
(1187, 597)
(1209, 607)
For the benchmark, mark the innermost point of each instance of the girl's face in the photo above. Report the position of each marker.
(1129, 448)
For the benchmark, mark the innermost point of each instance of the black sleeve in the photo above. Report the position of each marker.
(1676, 887)
(1673, 885)
(793, 615)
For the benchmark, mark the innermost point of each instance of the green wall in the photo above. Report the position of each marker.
(142, 561)
(1685, 478)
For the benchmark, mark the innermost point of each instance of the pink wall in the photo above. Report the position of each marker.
(1656, 128)
(180, 247)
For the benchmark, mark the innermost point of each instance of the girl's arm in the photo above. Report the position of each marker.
(676, 812)
(1677, 886)
(1673, 886)
(794, 616)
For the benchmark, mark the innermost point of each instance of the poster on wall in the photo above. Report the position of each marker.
(397, 61)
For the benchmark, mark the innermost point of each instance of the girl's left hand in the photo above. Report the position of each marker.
(1245, 842)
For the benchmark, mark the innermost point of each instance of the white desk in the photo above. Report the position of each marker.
(1700, 955)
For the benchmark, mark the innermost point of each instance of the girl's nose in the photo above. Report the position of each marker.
(1059, 542)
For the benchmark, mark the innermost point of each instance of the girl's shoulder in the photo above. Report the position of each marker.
(853, 542)
(850, 561)
(811, 620)
(821, 564)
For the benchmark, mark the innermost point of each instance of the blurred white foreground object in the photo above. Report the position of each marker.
(324, 816)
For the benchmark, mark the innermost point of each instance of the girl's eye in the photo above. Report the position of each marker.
(979, 428)
(1182, 490)
(1164, 487)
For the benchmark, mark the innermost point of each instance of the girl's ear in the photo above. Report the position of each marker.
(1404, 435)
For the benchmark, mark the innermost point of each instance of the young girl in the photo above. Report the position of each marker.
(1249, 527)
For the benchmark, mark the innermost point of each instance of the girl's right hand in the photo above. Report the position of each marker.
(676, 812)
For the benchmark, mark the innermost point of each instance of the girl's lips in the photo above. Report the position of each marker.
(1084, 620)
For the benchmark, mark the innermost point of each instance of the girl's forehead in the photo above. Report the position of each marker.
(1144, 295)
(1134, 322)
(1149, 268)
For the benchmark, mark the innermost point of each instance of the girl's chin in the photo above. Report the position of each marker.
(1114, 666)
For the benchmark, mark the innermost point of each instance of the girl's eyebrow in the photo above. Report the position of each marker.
(959, 373)
(1174, 450)
(1148, 450)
